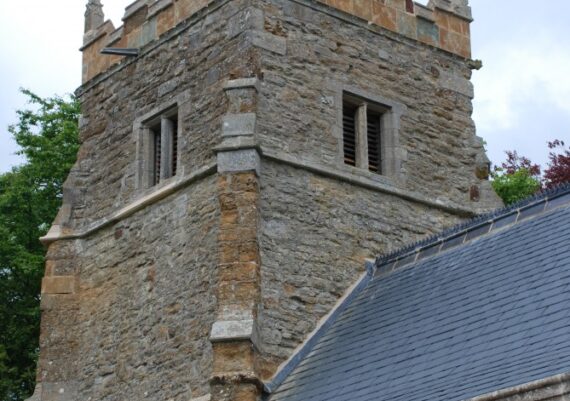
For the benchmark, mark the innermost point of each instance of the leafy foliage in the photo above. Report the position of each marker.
(515, 163)
(516, 179)
(30, 196)
(514, 187)
(558, 171)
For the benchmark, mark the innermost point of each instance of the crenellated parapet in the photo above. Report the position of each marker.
(442, 23)
(143, 22)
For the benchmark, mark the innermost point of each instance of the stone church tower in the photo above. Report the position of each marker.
(237, 168)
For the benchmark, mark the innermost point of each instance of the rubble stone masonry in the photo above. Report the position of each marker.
(201, 286)
(136, 327)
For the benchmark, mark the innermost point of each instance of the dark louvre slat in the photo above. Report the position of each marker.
(156, 161)
(175, 145)
(373, 137)
(349, 134)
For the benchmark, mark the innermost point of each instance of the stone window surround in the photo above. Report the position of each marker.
(392, 111)
(144, 147)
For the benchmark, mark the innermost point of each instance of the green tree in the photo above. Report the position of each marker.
(30, 196)
(516, 179)
(514, 187)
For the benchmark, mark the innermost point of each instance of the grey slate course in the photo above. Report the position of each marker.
(488, 315)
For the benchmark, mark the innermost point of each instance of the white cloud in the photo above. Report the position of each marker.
(519, 77)
(39, 42)
(114, 10)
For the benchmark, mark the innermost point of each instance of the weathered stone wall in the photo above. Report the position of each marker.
(315, 236)
(327, 52)
(192, 66)
(442, 23)
(141, 281)
(317, 231)
(137, 326)
(129, 299)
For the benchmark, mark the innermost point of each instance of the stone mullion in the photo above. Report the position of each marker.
(166, 134)
(361, 137)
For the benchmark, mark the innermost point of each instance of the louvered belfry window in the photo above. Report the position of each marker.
(164, 147)
(362, 134)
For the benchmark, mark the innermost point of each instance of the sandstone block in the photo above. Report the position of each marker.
(58, 285)
(239, 271)
(233, 357)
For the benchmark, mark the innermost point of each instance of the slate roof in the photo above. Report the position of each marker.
(489, 314)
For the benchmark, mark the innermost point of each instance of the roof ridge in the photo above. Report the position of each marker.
(477, 226)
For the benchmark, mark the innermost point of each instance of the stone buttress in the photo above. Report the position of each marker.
(235, 335)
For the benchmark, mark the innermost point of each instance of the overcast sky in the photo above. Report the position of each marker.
(522, 92)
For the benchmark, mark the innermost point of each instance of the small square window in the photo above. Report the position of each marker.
(162, 139)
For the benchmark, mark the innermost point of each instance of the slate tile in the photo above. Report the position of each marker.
(477, 317)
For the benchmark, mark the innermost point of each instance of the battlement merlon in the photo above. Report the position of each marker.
(458, 7)
(444, 24)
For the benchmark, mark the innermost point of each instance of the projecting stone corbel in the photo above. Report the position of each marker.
(235, 330)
